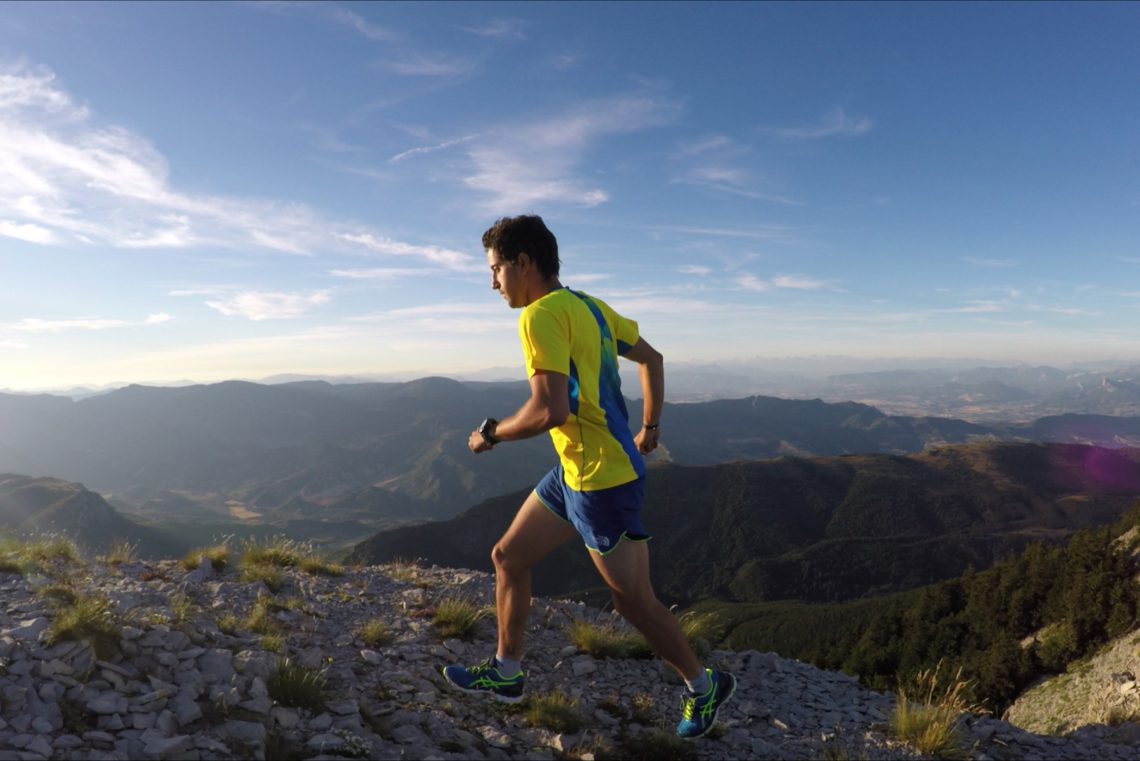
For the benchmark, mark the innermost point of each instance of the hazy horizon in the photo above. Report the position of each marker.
(211, 191)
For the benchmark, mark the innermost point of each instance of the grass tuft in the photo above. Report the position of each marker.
(90, 617)
(651, 745)
(375, 633)
(554, 711)
(608, 640)
(298, 686)
(457, 617)
(928, 722)
(218, 555)
(121, 552)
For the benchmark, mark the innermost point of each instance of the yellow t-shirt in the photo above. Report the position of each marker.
(581, 337)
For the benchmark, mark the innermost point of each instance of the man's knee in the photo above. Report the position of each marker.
(505, 561)
(634, 604)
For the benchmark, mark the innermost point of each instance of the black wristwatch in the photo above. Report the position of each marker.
(487, 431)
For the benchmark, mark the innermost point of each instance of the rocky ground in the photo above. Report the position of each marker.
(183, 677)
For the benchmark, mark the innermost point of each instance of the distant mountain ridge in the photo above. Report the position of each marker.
(350, 456)
(820, 529)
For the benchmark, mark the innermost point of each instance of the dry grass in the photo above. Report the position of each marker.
(218, 555)
(457, 617)
(375, 633)
(608, 640)
(86, 616)
(926, 717)
(555, 711)
(121, 552)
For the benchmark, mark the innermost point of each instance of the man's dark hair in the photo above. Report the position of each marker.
(511, 236)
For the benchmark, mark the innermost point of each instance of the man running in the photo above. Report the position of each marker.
(571, 343)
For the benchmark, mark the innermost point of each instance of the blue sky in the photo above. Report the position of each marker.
(207, 191)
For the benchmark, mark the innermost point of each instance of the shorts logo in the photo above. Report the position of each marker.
(604, 541)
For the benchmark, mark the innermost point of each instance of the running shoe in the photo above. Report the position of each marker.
(486, 677)
(698, 712)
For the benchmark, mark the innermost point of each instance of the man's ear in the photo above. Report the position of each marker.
(524, 260)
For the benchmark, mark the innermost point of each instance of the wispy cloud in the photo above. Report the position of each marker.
(384, 274)
(455, 260)
(798, 282)
(38, 325)
(499, 28)
(991, 263)
(467, 318)
(1129, 259)
(694, 269)
(263, 305)
(523, 166)
(14, 345)
(429, 149)
(420, 64)
(359, 23)
(70, 181)
(977, 307)
(750, 282)
(836, 123)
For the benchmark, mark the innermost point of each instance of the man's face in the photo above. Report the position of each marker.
(506, 279)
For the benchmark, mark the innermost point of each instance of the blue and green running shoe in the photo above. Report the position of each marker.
(486, 677)
(698, 712)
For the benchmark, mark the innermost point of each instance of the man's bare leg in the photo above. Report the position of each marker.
(626, 572)
(533, 534)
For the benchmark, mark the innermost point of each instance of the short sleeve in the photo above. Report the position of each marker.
(545, 341)
(624, 330)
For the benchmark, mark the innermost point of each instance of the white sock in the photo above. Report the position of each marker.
(507, 667)
(699, 684)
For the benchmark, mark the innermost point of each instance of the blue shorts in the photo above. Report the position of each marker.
(601, 517)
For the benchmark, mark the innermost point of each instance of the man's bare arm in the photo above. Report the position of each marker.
(547, 407)
(652, 372)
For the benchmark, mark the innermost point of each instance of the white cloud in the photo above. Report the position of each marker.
(262, 305)
(420, 65)
(39, 325)
(13, 345)
(991, 263)
(428, 149)
(704, 145)
(528, 165)
(798, 282)
(67, 180)
(751, 283)
(694, 269)
(834, 124)
(499, 28)
(454, 260)
(383, 273)
(977, 307)
(358, 22)
(27, 232)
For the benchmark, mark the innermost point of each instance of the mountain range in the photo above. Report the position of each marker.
(821, 529)
(336, 462)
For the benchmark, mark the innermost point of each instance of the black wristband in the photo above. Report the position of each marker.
(651, 427)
